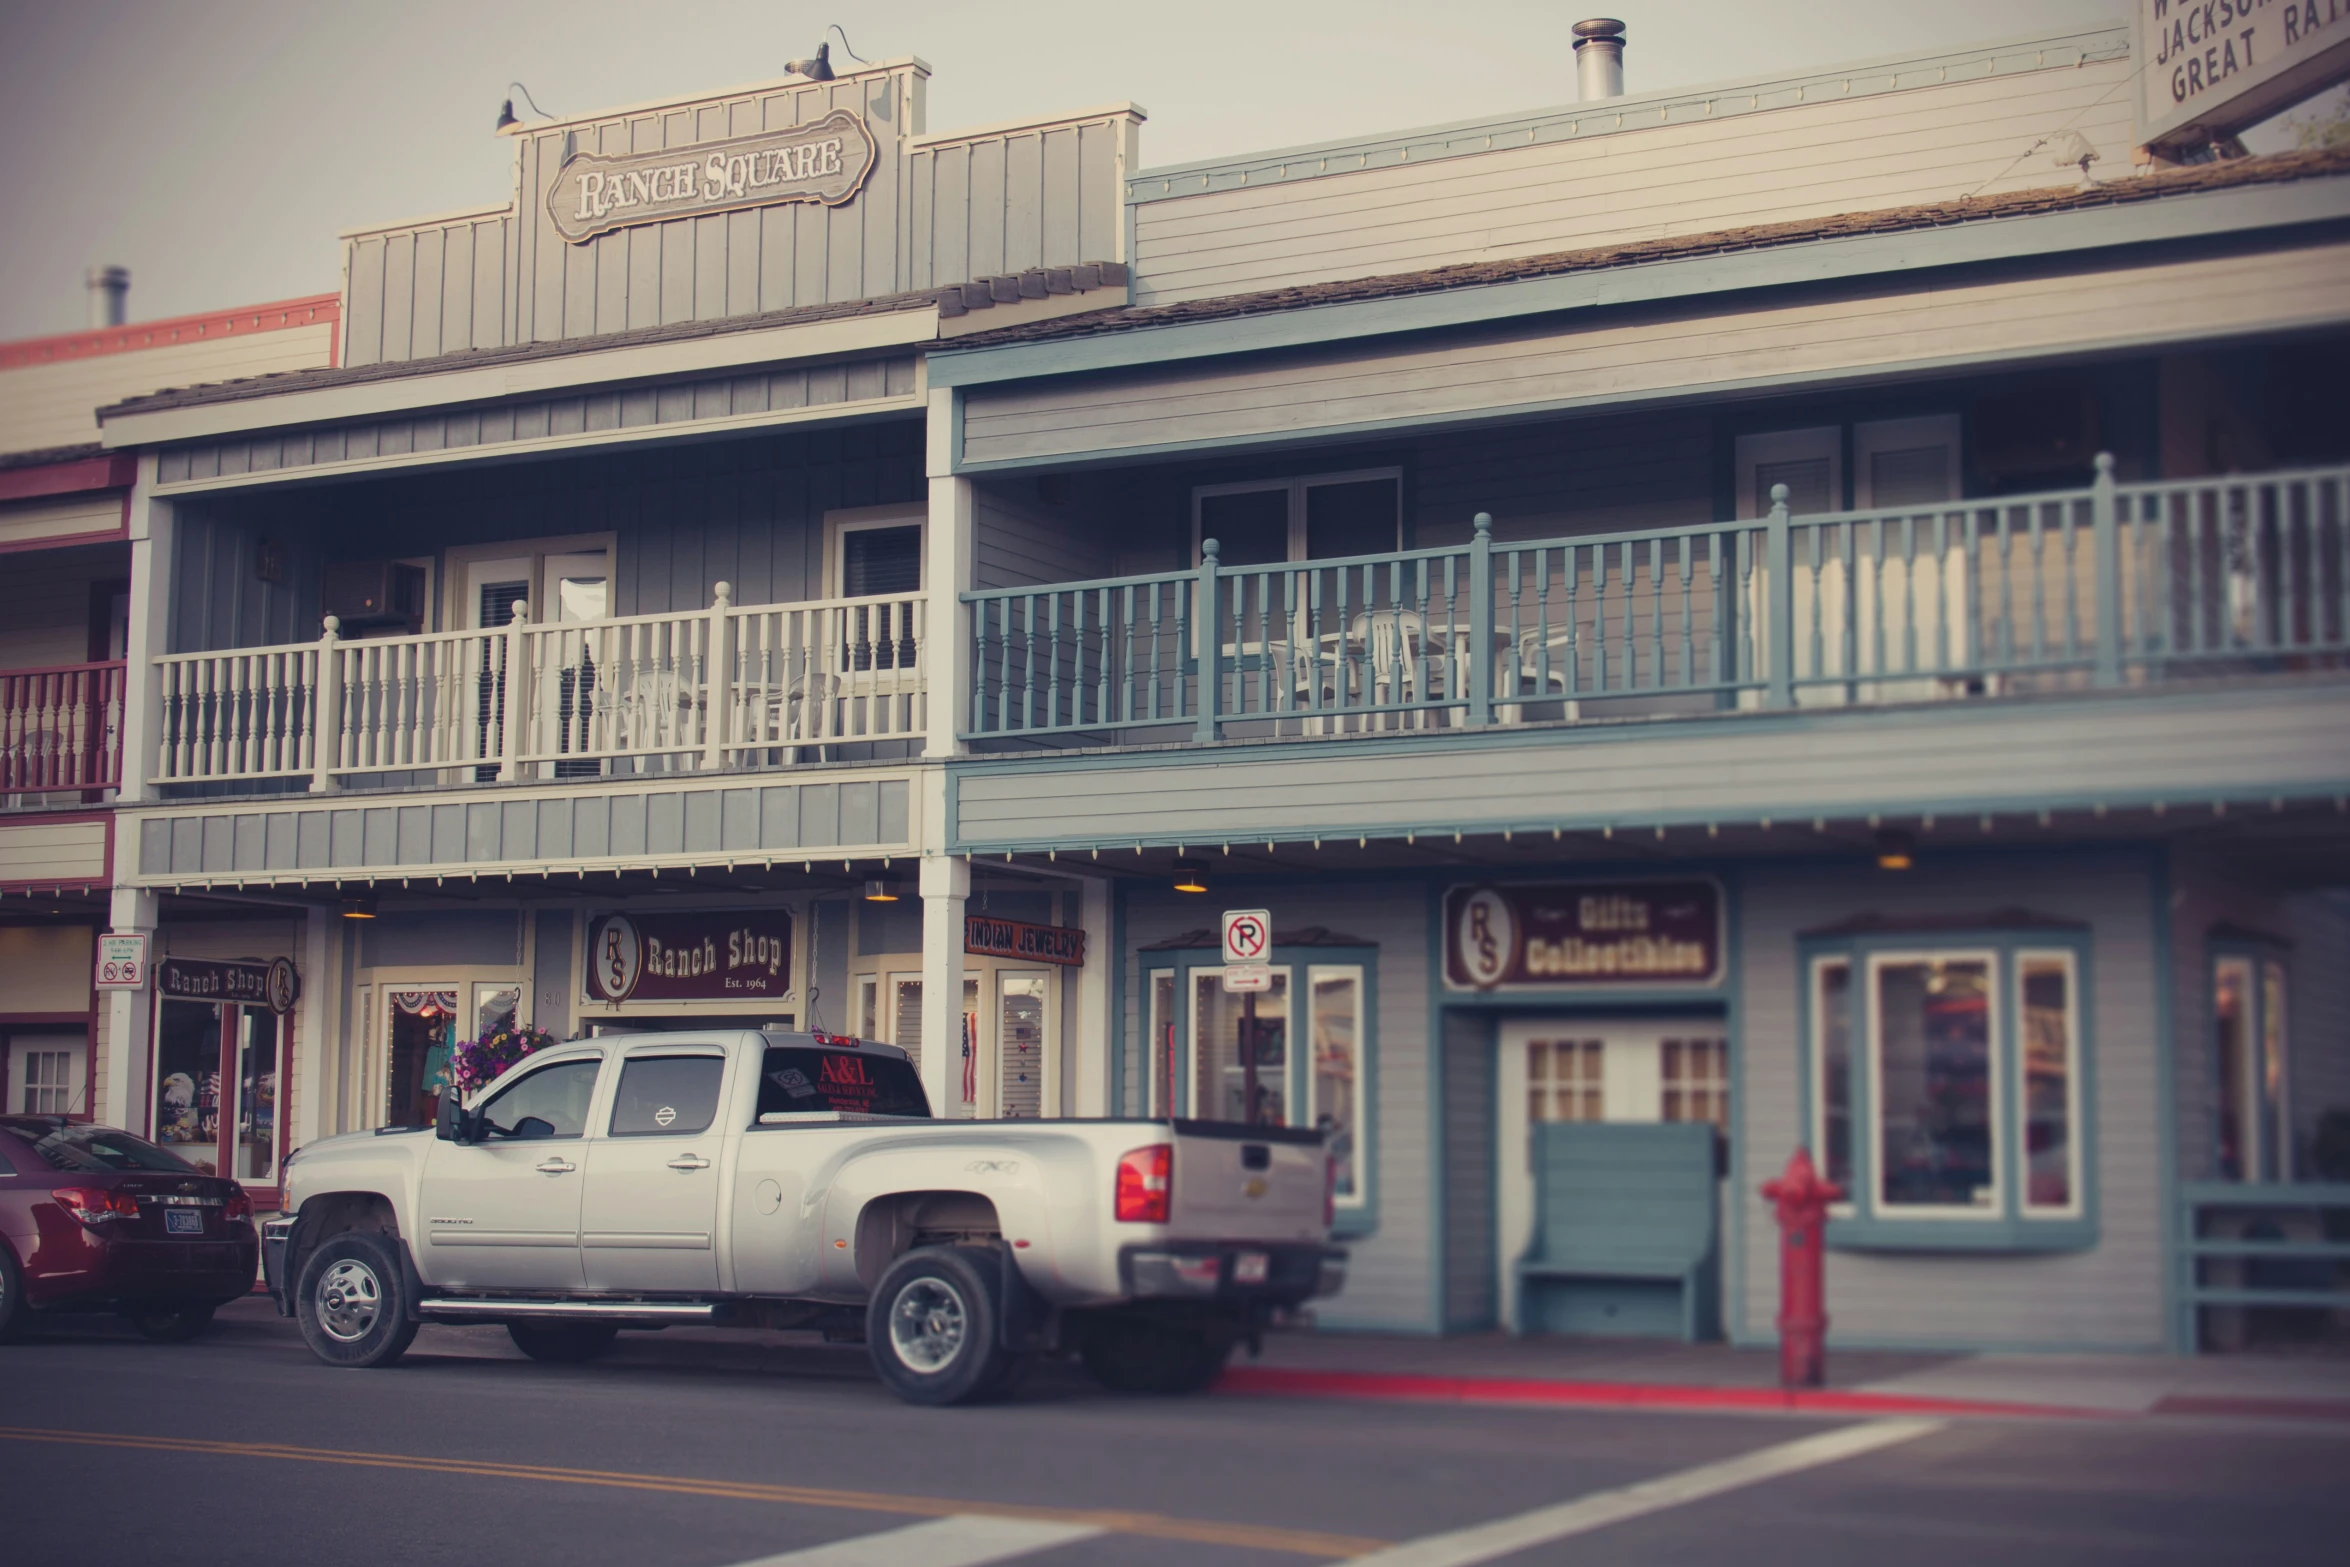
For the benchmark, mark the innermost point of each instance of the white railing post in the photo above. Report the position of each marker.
(2106, 552)
(326, 711)
(717, 673)
(1780, 588)
(513, 690)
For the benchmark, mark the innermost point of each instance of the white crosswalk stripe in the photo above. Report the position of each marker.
(960, 1541)
(1487, 1541)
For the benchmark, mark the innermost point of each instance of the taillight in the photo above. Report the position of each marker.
(240, 1206)
(95, 1204)
(1329, 1192)
(1146, 1182)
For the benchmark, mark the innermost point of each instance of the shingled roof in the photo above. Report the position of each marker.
(2280, 168)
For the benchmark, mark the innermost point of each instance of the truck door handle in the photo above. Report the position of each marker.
(557, 1166)
(689, 1161)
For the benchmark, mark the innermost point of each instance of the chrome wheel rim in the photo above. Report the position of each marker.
(349, 1298)
(926, 1325)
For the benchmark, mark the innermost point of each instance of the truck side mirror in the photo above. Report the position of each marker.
(450, 1126)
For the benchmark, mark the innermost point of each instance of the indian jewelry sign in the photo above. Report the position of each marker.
(734, 956)
(1617, 935)
(993, 938)
(826, 162)
(2208, 67)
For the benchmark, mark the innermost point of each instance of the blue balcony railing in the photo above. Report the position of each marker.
(2267, 1247)
(2116, 584)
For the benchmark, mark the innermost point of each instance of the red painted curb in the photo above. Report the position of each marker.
(1403, 1388)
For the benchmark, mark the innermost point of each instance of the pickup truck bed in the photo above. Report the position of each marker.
(784, 1180)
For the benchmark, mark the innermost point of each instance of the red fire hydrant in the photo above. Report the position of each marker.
(1802, 1199)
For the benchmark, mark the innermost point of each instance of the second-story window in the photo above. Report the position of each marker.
(1324, 516)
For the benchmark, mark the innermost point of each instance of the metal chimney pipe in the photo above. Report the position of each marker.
(1599, 58)
(110, 291)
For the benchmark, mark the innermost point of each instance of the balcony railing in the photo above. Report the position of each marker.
(60, 731)
(2111, 585)
(2273, 1247)
(722, 687)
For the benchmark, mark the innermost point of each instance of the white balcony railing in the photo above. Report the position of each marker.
(726, 686)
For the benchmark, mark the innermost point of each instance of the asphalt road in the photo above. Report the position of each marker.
(707, 1450)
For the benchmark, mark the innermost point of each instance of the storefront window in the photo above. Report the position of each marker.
(255, 1154)
(495, 1007)
(905, 1003)
(187, 1082)
(419, 1056)
(1159, 1069)
(1566, 1080)
(1240, 1051)
(1020, 1014)
(1948, 1090)
(2249, 1031)
(216, 1086)
(1696, 1080)
(1932, 1021)
(1336, 1024)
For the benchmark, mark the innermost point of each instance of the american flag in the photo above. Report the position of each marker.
(970, 1059)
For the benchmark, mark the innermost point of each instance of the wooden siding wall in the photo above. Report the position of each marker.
(2320, 1018)
(934, 210)
(1019, 541)
(45, 603)
(2107, 1298)
(50, 853)
(46, 405)
(1677, 352)
(1694, 174)
(748, 512)
(1388, 1282)
(1471, 1116)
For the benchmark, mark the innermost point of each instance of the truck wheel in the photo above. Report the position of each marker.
(351, 1303)
(171, 1322)
(562, 1343)
(934, 1326)
(1137, 1355)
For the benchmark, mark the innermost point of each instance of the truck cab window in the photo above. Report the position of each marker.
(796, 1081)
(667, 1094)
(551, 1102)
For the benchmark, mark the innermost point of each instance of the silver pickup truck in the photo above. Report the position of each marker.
(792, 1180)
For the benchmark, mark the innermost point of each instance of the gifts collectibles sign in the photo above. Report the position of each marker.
(1616, 935)
(730, 956)
(825, 162)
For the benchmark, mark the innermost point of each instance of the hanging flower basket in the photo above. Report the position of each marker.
(477, 1063)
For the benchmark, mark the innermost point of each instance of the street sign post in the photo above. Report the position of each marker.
(1248, 941)
(122, 962)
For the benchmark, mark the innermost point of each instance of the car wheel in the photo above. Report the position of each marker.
(1137, 1355)
(12, 1306)
(934, 1326)
(351, 1303)
(563, 1343)
(170, 1322)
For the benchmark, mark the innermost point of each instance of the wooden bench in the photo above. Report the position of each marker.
(1625, 1230)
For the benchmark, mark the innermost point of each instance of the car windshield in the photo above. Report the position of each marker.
(798, 1081)
(90, 1149)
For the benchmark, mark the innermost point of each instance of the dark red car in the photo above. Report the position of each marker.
(92, 1219)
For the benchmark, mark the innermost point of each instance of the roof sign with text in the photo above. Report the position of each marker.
(2206, 68)
(826, 161)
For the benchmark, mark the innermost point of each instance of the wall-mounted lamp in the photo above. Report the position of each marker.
(820, 68)
(881, 889)
(359, 906)
(1896, 850)
(507, 119)
(1191, 875)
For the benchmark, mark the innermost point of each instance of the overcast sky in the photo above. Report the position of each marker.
(215, 146)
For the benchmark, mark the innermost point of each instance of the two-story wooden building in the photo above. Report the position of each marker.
(1805, 611)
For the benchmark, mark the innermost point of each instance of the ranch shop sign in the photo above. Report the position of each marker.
(826, 162)
(1609, 935)
(690, 957)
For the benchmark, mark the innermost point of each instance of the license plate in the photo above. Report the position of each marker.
(1249, 1267)
(183, 1221)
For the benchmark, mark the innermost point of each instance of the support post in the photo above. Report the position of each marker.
(1098, 1032)
(1207, 633)
(154, 539)
(947, 658)
(326, 707)
(2105, 540)
(130, 1014)
(514, 693)
(717, 673)
(1481, 649)
(1779, 569)
(946, 888)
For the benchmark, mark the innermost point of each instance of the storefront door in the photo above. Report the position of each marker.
(47, 1072)
(1565, 1069)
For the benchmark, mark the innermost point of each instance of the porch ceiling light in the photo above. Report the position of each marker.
(359, 906)
(1896, 850)
(1191, 875)
(881, 889)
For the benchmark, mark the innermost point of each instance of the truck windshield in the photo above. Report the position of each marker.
(799, 1080)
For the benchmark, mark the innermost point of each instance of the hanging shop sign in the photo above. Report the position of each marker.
(2206, 68)
(993, 938)
(826, 162)
(729, 955)
(276, 984)
(1617, 935)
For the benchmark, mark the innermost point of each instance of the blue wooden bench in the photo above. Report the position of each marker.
(1625, 1228)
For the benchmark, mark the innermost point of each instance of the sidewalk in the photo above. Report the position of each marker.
(1492, 1368)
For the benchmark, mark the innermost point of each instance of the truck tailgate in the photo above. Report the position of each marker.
(1235, 1182)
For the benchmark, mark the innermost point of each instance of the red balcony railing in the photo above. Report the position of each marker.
(61, 729)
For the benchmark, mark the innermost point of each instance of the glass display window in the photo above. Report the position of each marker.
(215, 1100)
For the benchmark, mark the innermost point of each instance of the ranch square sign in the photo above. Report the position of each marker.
(825, 162)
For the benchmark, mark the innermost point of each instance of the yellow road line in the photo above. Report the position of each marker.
(1300, 1542)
